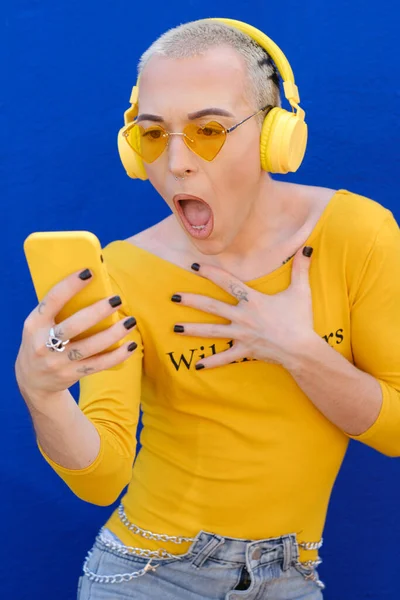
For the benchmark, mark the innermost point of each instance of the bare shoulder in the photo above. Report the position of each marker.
(310, 202)
(152, 239)
(319, 197)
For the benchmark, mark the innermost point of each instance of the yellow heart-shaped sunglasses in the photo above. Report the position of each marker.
(206, 141)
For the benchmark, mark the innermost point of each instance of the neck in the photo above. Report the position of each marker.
(277, 212)
(273, 216)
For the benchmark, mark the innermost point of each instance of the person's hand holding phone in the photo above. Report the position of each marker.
(42, 373)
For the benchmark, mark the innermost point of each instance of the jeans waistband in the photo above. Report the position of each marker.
(283, 549)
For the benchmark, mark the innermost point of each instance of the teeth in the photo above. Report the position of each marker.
(198, 226)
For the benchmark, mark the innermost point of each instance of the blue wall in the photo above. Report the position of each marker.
(68, 70)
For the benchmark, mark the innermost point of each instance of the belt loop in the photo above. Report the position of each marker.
(288, 554)
(202, 556)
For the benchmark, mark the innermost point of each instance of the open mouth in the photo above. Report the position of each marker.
(196, 215)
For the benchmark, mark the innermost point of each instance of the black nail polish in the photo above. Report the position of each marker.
(307, 251)
(115, 301)
(198, 367)
(179, 329)
(86, 274)
(195, 267)
(132, 346)
(129, 323)
(176, 298)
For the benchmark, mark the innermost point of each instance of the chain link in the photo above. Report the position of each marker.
(314, 577)
(311, 545)
(120, 577)
(310, 564)
(122, 549)
(148, 534)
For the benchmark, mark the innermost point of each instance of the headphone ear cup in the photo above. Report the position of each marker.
(283, 141)
(131, 161)
(265, 139)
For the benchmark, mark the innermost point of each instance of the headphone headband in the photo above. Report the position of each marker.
(289, 87)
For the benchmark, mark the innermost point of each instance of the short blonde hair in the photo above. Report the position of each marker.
(196, 37)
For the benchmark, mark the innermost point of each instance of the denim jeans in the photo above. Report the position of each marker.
(214, 568)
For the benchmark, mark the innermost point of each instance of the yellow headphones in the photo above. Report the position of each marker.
(283, 138)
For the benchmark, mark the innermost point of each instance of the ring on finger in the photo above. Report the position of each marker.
(54, 343)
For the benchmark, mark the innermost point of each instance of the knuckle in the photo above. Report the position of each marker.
(118, 331)
(238, 334)
(108, 338)
(50, 364)
(213, 330)
(209, 305)
(247, 321)
(39, 346)
(28, 327)
(52, 295)
(101, 309)
(102, 362)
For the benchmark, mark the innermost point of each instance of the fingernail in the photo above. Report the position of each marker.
(129, 323)
(115, 301)
(132, 346)
(86, 274)
(179, 329)
(195, 267)
(199, 366)
(176, 298)
(307, 251)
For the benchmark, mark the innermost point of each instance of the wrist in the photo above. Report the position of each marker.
(301, 350)
(40, 401)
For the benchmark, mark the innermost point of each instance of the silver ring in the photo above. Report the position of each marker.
(54, 343)
(181, 178)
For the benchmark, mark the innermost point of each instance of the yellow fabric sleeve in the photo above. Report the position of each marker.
(111, 400)
(375, 334)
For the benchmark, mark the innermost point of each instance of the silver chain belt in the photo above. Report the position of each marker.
(120, 577)
(122, 549)
(148, 534)
(162, 553)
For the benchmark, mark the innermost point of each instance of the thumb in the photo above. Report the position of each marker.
(301, 267)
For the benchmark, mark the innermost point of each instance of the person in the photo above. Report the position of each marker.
(254, 362)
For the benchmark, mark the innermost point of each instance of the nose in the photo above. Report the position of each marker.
(181, 159)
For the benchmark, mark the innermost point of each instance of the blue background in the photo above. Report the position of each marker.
(68, 68)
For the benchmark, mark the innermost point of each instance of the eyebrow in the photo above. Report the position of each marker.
(221, 112)
(210, 111)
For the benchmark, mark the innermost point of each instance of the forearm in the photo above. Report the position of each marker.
(65, 434)
(348, 397)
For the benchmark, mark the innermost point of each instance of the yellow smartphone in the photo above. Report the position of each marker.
(53, 255)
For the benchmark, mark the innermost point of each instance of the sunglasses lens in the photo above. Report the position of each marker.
(205, 141)
(148, 143)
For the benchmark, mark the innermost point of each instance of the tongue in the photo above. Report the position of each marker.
(196, 212)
